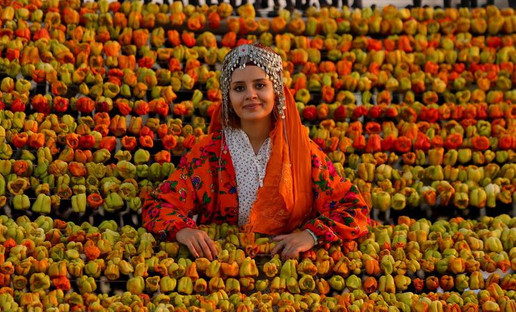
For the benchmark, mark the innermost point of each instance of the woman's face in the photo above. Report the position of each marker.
(251, 94)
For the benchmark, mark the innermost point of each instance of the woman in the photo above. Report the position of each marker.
(257, 168)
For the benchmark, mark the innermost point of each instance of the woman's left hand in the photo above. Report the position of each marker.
(292, 244)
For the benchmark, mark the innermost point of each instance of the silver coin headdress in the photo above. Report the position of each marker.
(269, 62)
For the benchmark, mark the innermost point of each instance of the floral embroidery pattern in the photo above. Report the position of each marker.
(204, 184)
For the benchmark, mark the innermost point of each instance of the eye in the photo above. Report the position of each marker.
(260, 85)
(238, 88)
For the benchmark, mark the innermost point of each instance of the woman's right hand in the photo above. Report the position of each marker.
(198, 242)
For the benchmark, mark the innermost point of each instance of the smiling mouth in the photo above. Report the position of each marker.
(254, 105)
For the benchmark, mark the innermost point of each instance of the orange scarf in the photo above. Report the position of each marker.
(284, 201)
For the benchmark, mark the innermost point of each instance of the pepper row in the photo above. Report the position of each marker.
(393, 264)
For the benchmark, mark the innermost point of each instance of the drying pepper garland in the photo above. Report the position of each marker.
(403, 266)
(416, 107)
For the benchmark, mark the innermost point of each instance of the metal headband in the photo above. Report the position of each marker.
(270, 62)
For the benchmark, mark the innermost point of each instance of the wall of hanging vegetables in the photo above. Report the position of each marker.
(100, 100)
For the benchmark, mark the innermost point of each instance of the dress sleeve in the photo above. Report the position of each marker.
(168, 208)
(339, 211)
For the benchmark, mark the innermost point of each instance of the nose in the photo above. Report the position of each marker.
(251, 93)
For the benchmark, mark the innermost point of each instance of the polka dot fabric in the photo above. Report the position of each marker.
(249, 169)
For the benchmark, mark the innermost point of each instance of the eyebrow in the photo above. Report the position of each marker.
(256, 80)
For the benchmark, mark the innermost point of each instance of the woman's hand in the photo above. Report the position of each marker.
(292, 244)
(198, 242)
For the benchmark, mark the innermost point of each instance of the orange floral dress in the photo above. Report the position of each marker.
(204, 184)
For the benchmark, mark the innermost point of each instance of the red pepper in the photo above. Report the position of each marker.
(359, 111)
(85, 105)
(373, 127)
(480, 143)
(328, 94)
(141, 108)
(437, 141)
(146, 62)
(86, 141)
(374, 144)
(453, 141)
(20, 139)
(340, 113)
(374, 112)
(389, 44)
(174, 64)
(60, 104)
(506, 141)
(359, 143)
(388, 143)
(42, 33)
(391, 112)
(431, 68)
(189, 141)
(373, 44)
(310, 113)
(402, 144)
(422, 142)
(17, 106)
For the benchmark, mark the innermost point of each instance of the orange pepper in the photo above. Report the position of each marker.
(118, 125)
(72, 140)
(94, 200)
(162, 157)
(77, 169)
(146, 141)
(344, 67)
(162, 130)
(20, 167)
(214, 20)
(317, 43)
(278, 24)
(327, 67)
(129, 143)
(370, 285)
(102, 118)
(126, 61)
(189, 141)
(169, 141)
(91, 251)
(188, 38)
(37, 140)
(328, 94)
(248, 25)
(83, 156)
(62, 282)
(108, 142)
